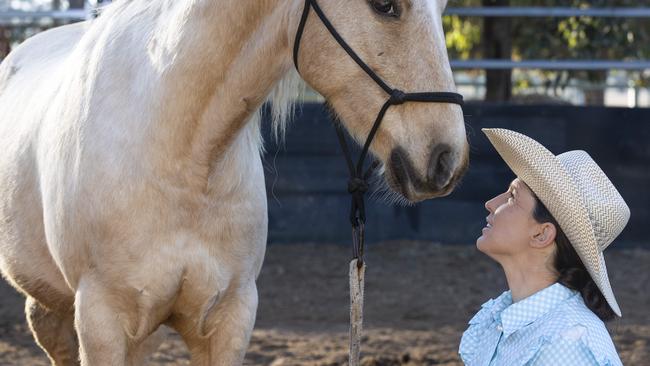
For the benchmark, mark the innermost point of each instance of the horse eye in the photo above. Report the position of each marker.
(385, 7)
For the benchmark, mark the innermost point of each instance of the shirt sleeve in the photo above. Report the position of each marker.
(567, 352)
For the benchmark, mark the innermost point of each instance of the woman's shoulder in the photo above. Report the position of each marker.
(573, 328)
(574, 314)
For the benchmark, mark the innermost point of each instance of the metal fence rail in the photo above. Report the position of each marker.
(493, 11)
(557, 12)
(550, 65)
(18, 17)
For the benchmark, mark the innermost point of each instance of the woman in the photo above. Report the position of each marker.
(548, 231)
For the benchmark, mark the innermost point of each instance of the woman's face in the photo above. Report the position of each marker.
(510, 224)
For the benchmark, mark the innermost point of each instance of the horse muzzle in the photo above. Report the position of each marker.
(444, 169)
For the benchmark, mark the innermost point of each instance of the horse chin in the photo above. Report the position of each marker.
(412, 196)
(404, 191)
(421, 196)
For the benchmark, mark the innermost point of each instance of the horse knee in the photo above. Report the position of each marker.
(230, 308)
(219, 331)
(139, 353)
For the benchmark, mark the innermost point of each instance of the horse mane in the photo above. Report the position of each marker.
(282, 102)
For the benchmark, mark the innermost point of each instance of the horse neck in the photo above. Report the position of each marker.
(219, 61)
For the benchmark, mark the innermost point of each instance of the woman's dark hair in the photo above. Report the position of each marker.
(571, 271)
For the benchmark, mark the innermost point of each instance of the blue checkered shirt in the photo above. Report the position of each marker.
(550, 327)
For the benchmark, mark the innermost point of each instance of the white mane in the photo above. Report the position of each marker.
(282, 101)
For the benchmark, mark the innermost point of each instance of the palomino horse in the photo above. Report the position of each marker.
(131, 186)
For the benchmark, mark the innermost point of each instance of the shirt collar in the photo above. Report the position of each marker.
(491, 309)
(500, 303)
(526, 311)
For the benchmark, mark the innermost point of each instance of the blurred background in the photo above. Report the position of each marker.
(577, 52)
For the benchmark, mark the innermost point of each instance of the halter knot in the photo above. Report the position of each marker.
(357, 185)
(397, 97)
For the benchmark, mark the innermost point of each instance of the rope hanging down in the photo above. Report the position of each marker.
(358, 182)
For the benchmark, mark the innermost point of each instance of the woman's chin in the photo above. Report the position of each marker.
(483, 239)
(481, 243)
(493, 247)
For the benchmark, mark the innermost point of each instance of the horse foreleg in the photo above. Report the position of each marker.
(102, 339)
(54, 332)
(219, 335)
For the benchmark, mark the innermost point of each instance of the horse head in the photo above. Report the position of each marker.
(422, 146)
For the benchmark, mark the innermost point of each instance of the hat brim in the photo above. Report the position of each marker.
(544, 173)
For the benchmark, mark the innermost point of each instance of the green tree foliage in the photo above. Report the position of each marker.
(584, 37)
(561, 38)
(463, 34)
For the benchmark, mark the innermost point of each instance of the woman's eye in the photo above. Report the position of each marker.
(385, 7)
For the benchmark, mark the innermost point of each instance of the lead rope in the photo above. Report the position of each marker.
(358, 182)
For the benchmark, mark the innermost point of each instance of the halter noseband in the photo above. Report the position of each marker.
(358, 185)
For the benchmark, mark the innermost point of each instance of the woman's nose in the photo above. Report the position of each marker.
(490, 204)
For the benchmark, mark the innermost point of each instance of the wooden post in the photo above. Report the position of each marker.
(5, 42)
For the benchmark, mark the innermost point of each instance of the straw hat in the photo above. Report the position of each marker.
(576, 192)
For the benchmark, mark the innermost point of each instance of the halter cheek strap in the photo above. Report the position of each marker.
(358, 183)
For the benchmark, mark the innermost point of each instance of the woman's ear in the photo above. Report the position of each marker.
(543, 236)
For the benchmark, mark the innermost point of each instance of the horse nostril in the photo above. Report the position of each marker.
(400, 166)
(440, 170)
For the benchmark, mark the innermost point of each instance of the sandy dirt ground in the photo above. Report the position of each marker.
(419, 297)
